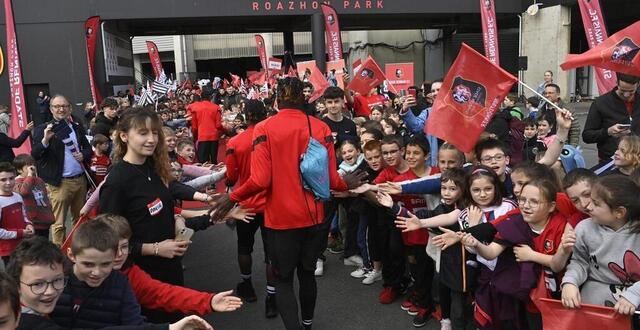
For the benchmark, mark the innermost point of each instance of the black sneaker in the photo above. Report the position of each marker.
(246, 291)
(421, 318)
(270, 307)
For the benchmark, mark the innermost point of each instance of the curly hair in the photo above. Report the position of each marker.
(633, 150)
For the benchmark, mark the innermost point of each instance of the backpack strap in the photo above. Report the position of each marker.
(309, 124)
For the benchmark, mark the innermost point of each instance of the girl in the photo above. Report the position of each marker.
(602, 267)
(454, 288)
(389, 127)
(352, 158)
(627, 156)
(546, 128)
(376, 113)
(137, 189)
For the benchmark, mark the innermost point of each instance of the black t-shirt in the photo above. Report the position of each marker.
(342, 130)
(148, 207)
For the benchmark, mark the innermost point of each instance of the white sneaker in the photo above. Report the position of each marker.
(372, 276)
(319, 268)
(354, 260)
(360, 272)
(445, 324)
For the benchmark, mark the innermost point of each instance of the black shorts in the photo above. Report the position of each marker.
(246, 235)
(295, 248)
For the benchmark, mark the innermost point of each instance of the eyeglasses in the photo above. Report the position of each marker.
(497, 158)
(41, 287)
(533, 203)
(61, 106)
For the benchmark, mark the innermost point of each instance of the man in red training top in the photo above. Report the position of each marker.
(292, 214)
(206, 123)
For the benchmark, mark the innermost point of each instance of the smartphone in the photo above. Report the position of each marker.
(413, 92)
(624, 125)
(184, 234)
(403, 92)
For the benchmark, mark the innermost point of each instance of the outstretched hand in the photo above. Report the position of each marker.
(225, 302)
(447, 239)
(355, 179)
(223, 204)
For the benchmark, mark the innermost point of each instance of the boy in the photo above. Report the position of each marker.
(532, 146)
(100, 161)
(493, 153)
(9, 303)
(14, 224)
(36, 267)
(96, 296)
(34, 194)
(186, 152)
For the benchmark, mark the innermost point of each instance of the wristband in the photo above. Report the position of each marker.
(155, 249)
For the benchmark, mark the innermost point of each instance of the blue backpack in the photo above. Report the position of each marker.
(314, 168)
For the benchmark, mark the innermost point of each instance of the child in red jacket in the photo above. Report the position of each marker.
(34, 194)
(14, 224)
(100, 161)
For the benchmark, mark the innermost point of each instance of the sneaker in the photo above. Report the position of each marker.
(407, 304)
(388, 295)
(360, 272)
(270, 307)
(420, 320)
(319, 268)
(246, 291)
(354, 260)
(414, 310)
(445, 324)
(372, 277)
(335, 245)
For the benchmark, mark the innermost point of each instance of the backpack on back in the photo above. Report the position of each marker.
(314, 168)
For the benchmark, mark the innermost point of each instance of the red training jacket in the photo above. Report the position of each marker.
(206, 121)
(154, 294)
(238, 161)
(278, 143)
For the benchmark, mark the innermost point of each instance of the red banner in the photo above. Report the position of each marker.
(556, 316)
(596, 31)
(619, 53)
(304, 69)
(368, 76)
(262, 51)
(400, 75)
(470, 95)
(19, 117)
(336, 68)
(91, 34)
(332, 30)
(154, 57)
(489, 30)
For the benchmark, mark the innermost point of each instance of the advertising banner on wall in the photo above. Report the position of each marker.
(400, 75)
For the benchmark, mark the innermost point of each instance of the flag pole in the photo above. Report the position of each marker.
(539, 95)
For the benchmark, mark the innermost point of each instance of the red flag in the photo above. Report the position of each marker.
(262, 51)
(596, 32)
(257, 78)
(235, 80)
(19, 118)
(91, 30)
(332, 29)
(556, 316)
(489, 30)
(620, 53)
(369, 76)
(225, 84)
(319, 83)
(400, 75)
(67, 242)
(470, 95)
(338, 67)
(357, 64)
(154, 57)
(292, 72)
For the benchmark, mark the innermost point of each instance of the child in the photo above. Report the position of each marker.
(376, 113)
(532, 106)
(186, 152)
(494, 154)
(100, 161)
(351, 156)
(509, 105)
(9, 302)
(14, 224)
(577, 185)
(95, 295)
(627, 157)
(36, 265)
(605, 249)
(455, 285)
(546, 128)
(533, 147)
(34, 194)
(170, 140)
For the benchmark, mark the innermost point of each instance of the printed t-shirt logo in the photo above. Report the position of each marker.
(625, 51)
(155, 207)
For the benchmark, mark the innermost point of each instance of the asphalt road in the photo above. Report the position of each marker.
(343, 302)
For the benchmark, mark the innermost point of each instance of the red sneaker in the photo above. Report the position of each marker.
(388, 295)
(408, 304)
(414, 310)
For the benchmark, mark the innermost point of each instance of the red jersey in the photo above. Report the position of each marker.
(13, 221)
(362, 105)
(413, 203)
(100, 166)
(278, 143)
(183, 161)
(238, 161)
(566, 208)
(206, 121)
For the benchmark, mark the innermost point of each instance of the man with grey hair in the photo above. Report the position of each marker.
(60, 148)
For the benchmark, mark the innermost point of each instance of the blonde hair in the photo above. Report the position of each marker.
(633, 152)
(136, 118)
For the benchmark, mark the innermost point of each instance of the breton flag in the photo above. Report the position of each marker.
(470, 95)
(146, 96)
(619, 53)
(161, 85)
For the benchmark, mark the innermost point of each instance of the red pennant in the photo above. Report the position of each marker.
(319, 82)
(620, 53)
(235, 80)
(470, 95)
(368, 76)
(332, 28)
(556, 316)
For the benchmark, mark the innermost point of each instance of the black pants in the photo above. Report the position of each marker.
(246, 235)
(165, 270)
(422, 272)
(456, 307)
(393, 258)
(208, 152)
(351, 236)
(296, 250)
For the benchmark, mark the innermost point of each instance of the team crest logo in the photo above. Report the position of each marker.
(548, 245)
(366, 73)
(487, 4)
(331, 19)
(469, 97)
(625, 51)
(89, 32)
